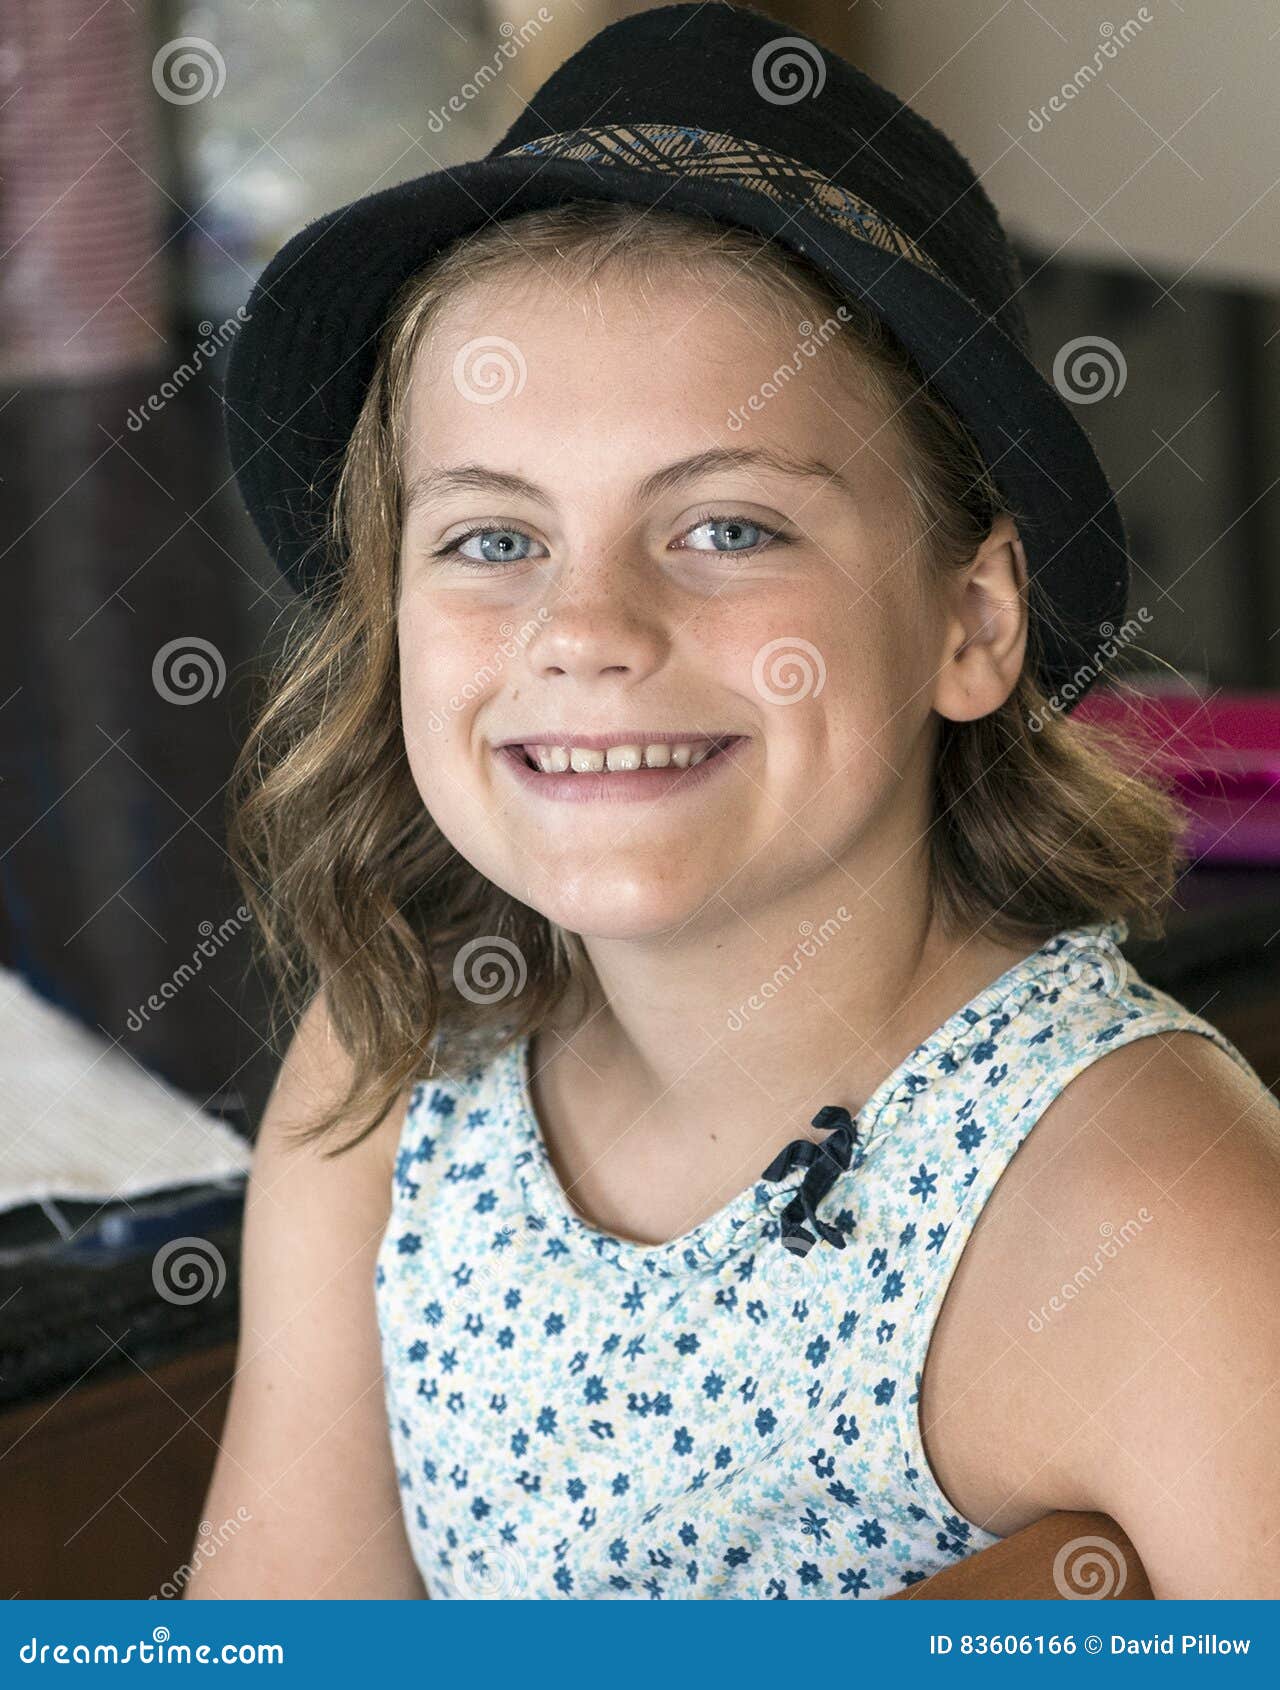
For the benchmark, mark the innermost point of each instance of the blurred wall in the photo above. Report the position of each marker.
(1162, 149)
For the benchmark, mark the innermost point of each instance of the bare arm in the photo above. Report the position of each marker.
(305, 1460)
(1061, 1555)
(1173, 1356)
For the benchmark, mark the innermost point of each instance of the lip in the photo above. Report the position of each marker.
(602, 741)
(623, 785)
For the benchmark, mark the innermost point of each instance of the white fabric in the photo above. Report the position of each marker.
(79, 1118)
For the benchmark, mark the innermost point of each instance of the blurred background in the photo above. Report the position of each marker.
(152, 158)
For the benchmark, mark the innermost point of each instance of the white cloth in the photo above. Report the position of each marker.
(79, 1118)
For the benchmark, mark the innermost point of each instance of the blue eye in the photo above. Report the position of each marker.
(501, 545)
(740, 533)
(497, 546)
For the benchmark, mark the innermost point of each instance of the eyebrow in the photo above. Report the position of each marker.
(477, 478)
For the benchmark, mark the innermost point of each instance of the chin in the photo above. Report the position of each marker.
(630, 908)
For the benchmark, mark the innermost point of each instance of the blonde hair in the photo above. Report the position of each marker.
(1037, 825)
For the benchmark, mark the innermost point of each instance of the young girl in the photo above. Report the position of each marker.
(768, 1179)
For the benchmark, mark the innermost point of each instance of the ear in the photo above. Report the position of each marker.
(985, 635)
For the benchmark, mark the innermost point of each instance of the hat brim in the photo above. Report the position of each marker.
(303, 359)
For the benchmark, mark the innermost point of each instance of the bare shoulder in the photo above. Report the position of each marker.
(316, 1072)
(1106, 1236)
(304, 1461)
(1175, 1350)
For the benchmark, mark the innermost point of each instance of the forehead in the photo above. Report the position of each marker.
(614, 367)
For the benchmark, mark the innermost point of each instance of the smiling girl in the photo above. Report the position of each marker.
(717, 1053)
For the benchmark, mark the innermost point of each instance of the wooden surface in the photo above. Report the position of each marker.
(1064, 1557)
(102, 1486)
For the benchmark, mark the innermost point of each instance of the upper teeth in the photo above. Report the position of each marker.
(556, 759)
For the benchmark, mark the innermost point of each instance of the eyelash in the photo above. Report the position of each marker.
(778, 536)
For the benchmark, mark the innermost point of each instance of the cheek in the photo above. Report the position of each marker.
(422, 722)
(769, 650)
(442, 670)
(821, 668)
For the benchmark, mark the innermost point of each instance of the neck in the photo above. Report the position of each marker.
(759, 1021)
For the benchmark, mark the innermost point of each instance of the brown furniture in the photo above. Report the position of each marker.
(103, 1484)
(1065, 1556)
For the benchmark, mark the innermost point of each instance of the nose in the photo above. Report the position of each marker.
(598, 623)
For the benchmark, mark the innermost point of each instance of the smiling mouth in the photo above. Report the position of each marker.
(619, 759)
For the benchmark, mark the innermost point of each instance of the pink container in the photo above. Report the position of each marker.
(1220, 750)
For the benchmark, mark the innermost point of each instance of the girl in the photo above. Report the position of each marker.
(768, 1177)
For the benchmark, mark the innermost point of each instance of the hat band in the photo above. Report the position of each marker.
(683, 151)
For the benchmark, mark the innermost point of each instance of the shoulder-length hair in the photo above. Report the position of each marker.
(1037, 823)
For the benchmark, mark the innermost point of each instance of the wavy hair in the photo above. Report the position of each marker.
(1037, 822)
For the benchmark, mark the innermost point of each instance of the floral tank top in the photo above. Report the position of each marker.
(573, 1414)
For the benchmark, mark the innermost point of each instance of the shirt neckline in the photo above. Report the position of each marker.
(730, 1227)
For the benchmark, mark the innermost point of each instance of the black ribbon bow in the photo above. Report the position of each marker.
(823, 1164)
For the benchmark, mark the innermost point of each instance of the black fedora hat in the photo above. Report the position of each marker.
(719, 111)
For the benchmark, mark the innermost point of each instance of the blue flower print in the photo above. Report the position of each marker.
(923, 1183)
(714, 1418)
(814, 1526)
